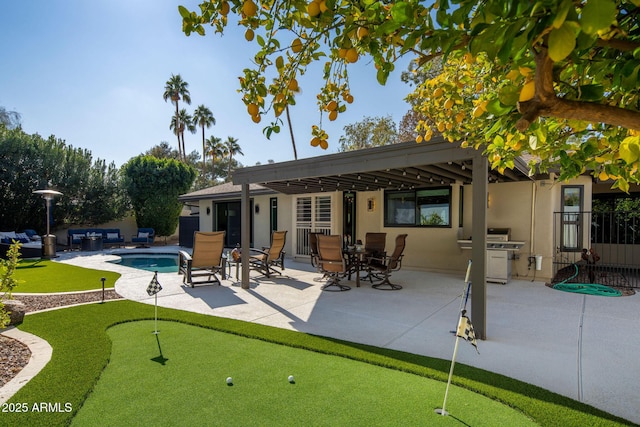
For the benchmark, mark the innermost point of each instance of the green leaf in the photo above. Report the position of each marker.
(561, 15)
(400, 12)
(562, 41)
(184, 12)
(630, 149)
(597, 15)
(591, 92)
(496, 108)
(382, 76)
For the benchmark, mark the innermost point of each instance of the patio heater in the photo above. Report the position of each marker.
(48, 241)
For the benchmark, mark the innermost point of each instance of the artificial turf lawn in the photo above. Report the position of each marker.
(180, 374)
(82, 350)
(44, 276)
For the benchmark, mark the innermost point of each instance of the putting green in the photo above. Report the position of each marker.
(178, 377)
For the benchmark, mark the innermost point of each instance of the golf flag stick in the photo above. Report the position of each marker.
(465, 293)
(153, 289)
(443, 411)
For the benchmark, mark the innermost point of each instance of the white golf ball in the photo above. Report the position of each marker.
(229, 380)
(291, 379)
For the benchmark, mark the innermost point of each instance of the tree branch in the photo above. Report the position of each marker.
(545, 103)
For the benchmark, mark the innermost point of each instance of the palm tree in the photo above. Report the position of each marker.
(203, 117)
(216, 149)
(186, 123)
(174, 89)
(233, 148)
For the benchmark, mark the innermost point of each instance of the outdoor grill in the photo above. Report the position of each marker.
(500, 252)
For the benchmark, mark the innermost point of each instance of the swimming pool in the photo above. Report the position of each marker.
(162, 263)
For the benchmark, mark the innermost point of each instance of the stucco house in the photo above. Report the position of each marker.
(443, 196)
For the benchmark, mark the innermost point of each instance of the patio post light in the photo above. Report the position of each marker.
(48, 241)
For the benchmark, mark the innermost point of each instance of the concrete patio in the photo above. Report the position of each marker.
(579, 346)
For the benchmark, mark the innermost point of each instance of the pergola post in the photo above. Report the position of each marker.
(479, 245)
(245, 237)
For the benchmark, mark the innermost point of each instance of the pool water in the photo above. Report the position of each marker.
(162, 263)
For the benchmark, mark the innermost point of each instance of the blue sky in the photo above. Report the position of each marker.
(93, 73)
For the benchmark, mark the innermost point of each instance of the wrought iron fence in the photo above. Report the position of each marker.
(604, 245)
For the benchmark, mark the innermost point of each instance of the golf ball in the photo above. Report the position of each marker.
(229, 380)
(291, 379)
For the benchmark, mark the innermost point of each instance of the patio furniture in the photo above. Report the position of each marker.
(206, 260)
(91, 243)
(382, 267)
(332, 262)
(273, 256)
(145, 237)
(313, 249)
(374, 244)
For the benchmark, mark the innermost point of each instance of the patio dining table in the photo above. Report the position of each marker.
(357, 259)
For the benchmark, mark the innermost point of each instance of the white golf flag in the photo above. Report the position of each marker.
(465, 330)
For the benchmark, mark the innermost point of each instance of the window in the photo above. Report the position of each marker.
(426, 208)
(571, 218)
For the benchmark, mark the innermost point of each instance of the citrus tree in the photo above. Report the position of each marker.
(557, 79)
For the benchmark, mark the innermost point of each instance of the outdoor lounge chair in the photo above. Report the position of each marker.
(332, 262)
(382, 267)
(144, 237)
(264, 260)
(206, 259)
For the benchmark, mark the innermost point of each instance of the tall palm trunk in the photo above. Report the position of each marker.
(293, 140)
(204, 152)
(229, 167)
(178, 129)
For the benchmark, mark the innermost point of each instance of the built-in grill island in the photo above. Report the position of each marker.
(500, 252)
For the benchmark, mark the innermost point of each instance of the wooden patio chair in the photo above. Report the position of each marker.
(382, 267)
(332, 262)
(206, 259)
(264, 260)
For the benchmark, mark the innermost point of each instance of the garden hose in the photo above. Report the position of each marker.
(586, 288)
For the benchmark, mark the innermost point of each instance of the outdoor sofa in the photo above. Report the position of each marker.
(31, 243)
(110, 236)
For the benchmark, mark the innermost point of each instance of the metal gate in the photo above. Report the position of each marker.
(613, 235)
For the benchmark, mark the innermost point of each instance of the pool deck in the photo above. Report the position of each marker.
(576, 345)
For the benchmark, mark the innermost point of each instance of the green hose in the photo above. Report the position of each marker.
(586, 288)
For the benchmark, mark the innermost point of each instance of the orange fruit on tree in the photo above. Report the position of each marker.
(324, 144)
(248, 35)
(362, 33)
(224, 8)
(333, 114)
(296, 46)
(252, 109)
(332, 105)
(256, 118)
(323, 6)
(313, 8)
(249, 8)
(293, 85)
(315, 141)
(448, 104)
(351, 55)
